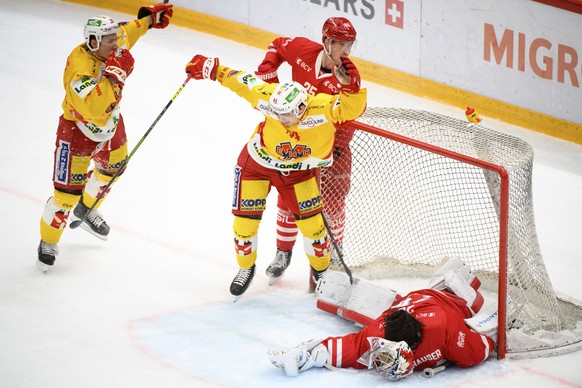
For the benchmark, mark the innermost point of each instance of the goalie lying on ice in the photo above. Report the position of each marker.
(422, 329)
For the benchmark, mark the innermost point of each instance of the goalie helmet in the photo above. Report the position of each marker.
(288, 98)
(393, 360)
(339, 28)
(97, 27)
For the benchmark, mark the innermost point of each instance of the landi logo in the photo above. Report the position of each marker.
(548, 60)
(394, 13)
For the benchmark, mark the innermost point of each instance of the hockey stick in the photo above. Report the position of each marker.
(77, 223)
(339, 253)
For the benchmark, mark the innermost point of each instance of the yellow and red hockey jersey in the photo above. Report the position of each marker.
(308, 143)
(90, 99)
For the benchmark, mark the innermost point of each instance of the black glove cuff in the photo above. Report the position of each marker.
(143, 12)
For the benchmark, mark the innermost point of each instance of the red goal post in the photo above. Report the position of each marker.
(423, 188)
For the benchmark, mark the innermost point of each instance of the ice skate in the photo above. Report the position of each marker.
(47, 254)
(92, 223)
(314, 278)
(277, 268)
(242, 281)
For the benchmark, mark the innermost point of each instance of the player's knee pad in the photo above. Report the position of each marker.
(316, 241)
(63, 201)
(245, 240)
(54, 217)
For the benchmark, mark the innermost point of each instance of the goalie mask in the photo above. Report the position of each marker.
(288, 97)
(97, 27)
(393, 360)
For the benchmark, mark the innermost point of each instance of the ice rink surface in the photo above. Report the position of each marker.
(151, 307)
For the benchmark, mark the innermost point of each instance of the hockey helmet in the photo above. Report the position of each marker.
(339, 28)
(393, 360)
(97, 27)
(288, 98)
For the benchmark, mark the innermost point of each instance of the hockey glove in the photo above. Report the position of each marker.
(119, 65)
(201, 67)
(267, 74)
(160, 13)
(352, 84)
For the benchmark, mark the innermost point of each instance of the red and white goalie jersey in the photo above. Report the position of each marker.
(445, 335)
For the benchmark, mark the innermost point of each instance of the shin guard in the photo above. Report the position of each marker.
(245, 240)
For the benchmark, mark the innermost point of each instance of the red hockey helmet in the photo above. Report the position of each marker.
(339, 28)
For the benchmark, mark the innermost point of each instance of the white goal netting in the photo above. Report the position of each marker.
(423, 188)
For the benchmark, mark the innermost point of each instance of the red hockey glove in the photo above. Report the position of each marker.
(201, 67)
(119, 64)
(267, 74)
(352, 85)
(160, 13)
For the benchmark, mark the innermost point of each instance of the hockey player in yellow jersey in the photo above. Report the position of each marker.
(285, 151)
(91, 127)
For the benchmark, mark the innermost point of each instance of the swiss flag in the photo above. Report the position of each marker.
(394, 14)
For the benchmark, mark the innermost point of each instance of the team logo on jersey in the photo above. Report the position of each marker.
(62, 162)
(286, 151)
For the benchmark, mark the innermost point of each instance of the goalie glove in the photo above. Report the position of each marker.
(119, 65)
(161, 14)
(303, 357)
(201, 67)
(348, 75)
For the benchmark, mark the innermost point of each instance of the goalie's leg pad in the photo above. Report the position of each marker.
(361, 302)
(460, 287)
(456, 277)
(245, 240)
(457, 266)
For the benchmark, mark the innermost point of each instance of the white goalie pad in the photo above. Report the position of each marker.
(485, 322)
(361, 302)
(456, 277)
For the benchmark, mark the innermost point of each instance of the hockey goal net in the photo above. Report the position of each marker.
(423, 188)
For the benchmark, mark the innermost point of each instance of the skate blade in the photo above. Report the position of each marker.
(86, 227)
(42, 266)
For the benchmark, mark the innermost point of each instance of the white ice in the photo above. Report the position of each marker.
(151, 306)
